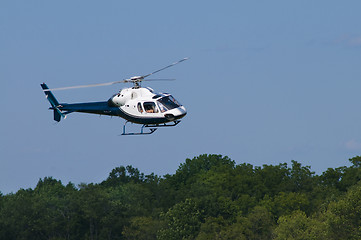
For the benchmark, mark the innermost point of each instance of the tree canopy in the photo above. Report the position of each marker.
(208, 197)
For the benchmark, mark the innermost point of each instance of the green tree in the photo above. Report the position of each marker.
(343, 217)
(301, 178)
(285, 203)
(297, 226)
(257, 225)
(55, 211)
(331, 178)
(351, 175)
(212, 227)
(261, 223)
(218, 228)
(16, 216)
(95, 206)
(182, 221)
(356, 161)
(188, 171)
(272, 179)
(145, 228)
(122, 175)
(176, 188)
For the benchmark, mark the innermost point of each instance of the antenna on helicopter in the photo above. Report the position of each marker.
(136, 80)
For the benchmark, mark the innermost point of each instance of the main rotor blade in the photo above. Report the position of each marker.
(165, 67)
(136, 79)
(160, 79)
(86, 86)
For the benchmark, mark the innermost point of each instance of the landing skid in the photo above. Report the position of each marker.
(175, 123)
(152, 128)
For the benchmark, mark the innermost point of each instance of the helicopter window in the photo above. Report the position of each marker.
(162, 107)
(140, 109)
(169, 102)
(150, 107)
(156, 96)
(175, 101)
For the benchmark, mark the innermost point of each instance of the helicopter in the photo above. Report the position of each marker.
(139, 105)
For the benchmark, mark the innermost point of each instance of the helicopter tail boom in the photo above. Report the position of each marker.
(53, 102)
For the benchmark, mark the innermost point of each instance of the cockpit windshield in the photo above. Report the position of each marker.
(168, 103)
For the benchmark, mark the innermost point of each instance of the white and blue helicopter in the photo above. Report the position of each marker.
(140, 105)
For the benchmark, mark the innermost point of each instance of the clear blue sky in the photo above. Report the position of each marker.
(267, 82)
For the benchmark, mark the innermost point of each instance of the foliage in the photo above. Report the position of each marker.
(208, 197)
(297, 226)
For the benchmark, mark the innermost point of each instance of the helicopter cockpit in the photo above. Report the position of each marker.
(162, 103)
(167, 103)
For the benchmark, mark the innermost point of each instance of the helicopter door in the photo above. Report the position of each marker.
(150, 107)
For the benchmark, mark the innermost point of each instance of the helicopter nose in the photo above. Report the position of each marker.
(182, 115)
(176, 113)
(181, 112)
(184, 111)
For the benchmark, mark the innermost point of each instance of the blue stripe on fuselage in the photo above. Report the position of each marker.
(104, 109)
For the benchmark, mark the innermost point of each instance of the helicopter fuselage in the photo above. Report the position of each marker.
(137, 105)
(143, 106)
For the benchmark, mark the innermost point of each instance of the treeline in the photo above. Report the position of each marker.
(209, 197)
